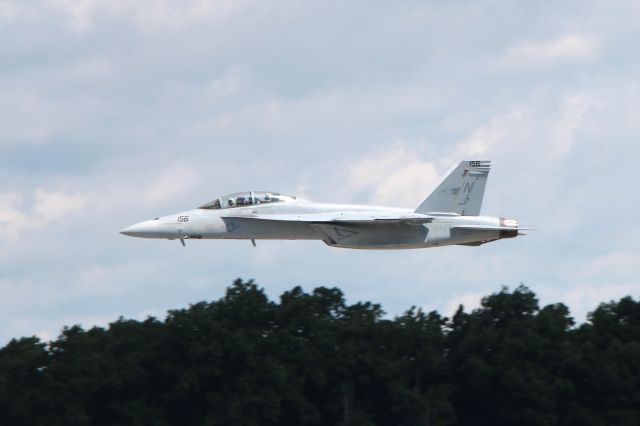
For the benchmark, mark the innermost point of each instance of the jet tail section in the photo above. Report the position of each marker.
(461, 190)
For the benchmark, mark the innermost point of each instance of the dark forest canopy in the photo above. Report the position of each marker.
(313, 359)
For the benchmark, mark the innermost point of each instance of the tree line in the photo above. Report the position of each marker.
(313, 359)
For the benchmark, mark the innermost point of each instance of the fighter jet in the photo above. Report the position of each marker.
(450, 215)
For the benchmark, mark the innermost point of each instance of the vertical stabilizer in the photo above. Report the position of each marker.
(461, 190)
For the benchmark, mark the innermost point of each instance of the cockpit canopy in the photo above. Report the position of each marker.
(241, 199)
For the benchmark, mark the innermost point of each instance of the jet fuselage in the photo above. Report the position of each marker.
(450, 215)
(239, 223)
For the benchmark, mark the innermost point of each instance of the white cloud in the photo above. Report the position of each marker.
(488, 138)
(150, 15)
(395, 176)
(52, 206)
(571, 119)
(48, 207)
(12, 219)
(165, 184)
(33, 210)
(398, 174)
(230, 83)
(570, 47)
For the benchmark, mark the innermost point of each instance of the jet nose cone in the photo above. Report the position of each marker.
(131, 231)
(128, 231)
(142, 229)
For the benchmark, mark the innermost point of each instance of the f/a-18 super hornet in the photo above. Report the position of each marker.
(450, 215)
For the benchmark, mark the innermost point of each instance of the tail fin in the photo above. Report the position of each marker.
(460, 191)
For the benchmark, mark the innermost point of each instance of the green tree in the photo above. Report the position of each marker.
(507, 360)
(314, 359)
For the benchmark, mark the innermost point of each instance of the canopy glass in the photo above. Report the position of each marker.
(241, 199)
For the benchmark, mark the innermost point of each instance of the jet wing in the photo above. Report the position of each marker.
(347, 217)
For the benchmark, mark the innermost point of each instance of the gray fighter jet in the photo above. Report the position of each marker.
(450, 215)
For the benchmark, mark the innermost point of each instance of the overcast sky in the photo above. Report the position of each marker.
(113, 112)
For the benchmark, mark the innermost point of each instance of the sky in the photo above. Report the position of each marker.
(116, 112)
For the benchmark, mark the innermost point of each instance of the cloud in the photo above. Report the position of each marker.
(48, 207)
(12, 219)
(149, 16)
(230, 83)
(395, 176)
(165, 184)
(572, 118)
(52, 206)
(488, 137)
(398, 174)
(117, 111)
(566, 48)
